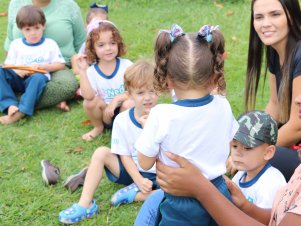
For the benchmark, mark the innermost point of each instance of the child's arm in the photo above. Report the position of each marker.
(144, 184)
(85, 86)
(49, 67)
(117, 101)
(146, 162)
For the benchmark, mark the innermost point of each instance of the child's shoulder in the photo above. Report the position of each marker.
(125, 62)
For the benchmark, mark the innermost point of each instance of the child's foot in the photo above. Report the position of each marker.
(125, 195)
(76, 213)
(7, 119)
(12, 110)
(95, 132)
(63, 106)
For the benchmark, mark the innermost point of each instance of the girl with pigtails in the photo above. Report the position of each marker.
(198, 126)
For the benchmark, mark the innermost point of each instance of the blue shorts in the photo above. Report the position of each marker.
(125, 179)
(179, 211)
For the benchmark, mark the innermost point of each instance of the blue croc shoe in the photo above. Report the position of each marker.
(125, 195)
(76, 213)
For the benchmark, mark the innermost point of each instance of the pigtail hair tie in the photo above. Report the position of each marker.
(174, 32)
(205, 32)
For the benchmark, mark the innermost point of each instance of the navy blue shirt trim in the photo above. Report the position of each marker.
(195, 102)
(33, 44)
(108, 76)
(133, 119)
(255, 179)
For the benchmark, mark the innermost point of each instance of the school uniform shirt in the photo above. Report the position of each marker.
(288, 199)
(22, 53)
(126, 131)
(199, 130)
(108, 86)
(261, 190)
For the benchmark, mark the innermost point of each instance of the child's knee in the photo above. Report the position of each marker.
(100, 153)
(89, 104)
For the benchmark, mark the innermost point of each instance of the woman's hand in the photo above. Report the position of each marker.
(183, 181)
(237, 196)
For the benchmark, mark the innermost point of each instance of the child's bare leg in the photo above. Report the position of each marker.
(94, 113)
(102, 157)
(12, 110)
(9, 119)
(63, 106)
(142, 196)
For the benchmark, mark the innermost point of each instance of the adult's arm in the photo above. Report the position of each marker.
(79, 32)
(272, 107)
(290, 133)
(188, 181)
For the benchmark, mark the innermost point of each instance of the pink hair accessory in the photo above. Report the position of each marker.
(94, 24)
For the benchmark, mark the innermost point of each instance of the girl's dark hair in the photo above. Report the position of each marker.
(96, 11)
(30, 15)
(255, 58)
(189, 61)
(94, 36)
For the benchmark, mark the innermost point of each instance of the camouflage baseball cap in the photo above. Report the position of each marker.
(256, 128)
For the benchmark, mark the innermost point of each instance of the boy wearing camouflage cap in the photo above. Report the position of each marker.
(251, 149)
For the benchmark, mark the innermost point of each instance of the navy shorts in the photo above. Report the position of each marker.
(125, 179)
(179, 211)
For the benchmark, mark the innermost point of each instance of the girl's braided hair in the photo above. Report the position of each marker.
(190, 60)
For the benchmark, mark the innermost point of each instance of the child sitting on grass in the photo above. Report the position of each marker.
(101, 84)
(32, 50)
(251, 149)
(120, 162)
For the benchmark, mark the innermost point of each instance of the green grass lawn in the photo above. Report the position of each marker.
(24, 200)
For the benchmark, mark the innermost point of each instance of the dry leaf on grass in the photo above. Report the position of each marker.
(234, 38)
(218, 5)
(77, 149)
(229, 13)
(3, 14)
(86, 122)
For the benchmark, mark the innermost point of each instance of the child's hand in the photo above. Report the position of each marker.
(142, 120)
(21, 73)
(81, 62)
(230, 166)
(145, 185)
(109, 111)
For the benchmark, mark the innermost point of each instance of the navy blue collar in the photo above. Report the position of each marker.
(108, 76)
(195, 102)
(133, 119)
(255, 179)
(33, 44)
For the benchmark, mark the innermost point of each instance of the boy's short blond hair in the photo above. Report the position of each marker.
(138, 75)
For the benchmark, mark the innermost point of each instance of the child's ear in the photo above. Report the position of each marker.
(269, 152)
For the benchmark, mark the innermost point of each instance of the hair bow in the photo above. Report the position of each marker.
(206, 32)
(175, 32)
(104, 7)
(95, 24)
